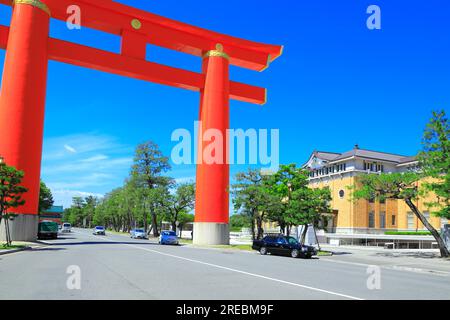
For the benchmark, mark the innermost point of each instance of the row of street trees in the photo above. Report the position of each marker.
(147, 198)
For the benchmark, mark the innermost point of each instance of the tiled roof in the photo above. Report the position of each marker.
(362, 153)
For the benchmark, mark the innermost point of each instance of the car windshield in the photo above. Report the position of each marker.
(99, 228)
(292, 240)
(66, 224)
(139, 230)
(169, 233)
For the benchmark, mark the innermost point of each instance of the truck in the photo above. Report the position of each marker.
(47, 230)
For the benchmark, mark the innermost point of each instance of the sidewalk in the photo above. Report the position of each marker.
(416, 260)
(17, 247)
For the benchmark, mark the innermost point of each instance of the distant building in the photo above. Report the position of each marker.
(338, 171)
(52, 214)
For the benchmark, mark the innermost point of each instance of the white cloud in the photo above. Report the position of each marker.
(64, 197)
(70, 149)
(89, 163)
(99, 157)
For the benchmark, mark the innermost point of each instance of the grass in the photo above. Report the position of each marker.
(245, 247)
(324, 253)
(4, 246)
(407, 233)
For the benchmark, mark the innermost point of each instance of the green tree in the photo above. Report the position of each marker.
(147, 170)
(252, 199)
(89, 205)
(435, 162)
(301, 205)
(75, 214)
(45, 198)
(239, 221)
(399, 186)
(183, 219)
(11, 193)
(182, 200)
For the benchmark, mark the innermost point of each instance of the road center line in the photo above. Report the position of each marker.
(238, 271)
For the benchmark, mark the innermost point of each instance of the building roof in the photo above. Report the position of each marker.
(364, 153)
(55, 209)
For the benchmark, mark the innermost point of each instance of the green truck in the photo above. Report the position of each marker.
(48, 229)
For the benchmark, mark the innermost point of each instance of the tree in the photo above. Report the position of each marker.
(307, 206)
(148, 167)
(183, 219)
(10, 194)
(182, 200)
(89, 205)
(399, 186)
(250, 198)
(435, 162)
(301, 205)
(75, 213)
(239, 221)
(45, 198)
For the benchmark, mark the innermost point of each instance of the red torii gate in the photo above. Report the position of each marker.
(22, 98)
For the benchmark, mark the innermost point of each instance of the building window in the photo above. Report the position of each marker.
(393, 220)
(341, 194)
(371, 219)
(411, 224)
(383, 220)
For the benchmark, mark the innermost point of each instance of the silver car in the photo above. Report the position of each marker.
(138, 234)
(99, 230)
(66, 227)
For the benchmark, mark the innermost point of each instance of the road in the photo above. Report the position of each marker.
(117, 267)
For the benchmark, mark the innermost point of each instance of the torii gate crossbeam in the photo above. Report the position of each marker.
(22, 99)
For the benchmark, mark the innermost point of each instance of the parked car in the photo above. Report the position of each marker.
(283, 245)
(47, 230)
(138, 234)
(66, 227)
(168, 237)
(99, 230)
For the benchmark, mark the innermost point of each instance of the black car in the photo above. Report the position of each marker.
(283, 245)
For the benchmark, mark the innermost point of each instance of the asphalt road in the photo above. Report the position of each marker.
(117, 267)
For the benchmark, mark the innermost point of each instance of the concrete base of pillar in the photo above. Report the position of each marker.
(211, 233)
(24, 227)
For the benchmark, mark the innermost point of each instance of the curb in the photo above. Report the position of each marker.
(3, 252)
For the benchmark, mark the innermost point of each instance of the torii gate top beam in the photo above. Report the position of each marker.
(115, 18)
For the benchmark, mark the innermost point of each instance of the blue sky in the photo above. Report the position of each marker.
(336, 84)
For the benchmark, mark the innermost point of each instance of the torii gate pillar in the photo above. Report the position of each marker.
(211, 206)
(22, 104)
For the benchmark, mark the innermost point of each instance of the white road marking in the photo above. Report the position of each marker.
(237, 271)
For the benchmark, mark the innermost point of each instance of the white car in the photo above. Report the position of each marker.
(99, 230)
(138, 234)
(66, 227)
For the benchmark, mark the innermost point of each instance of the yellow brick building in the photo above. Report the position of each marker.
(339, 171)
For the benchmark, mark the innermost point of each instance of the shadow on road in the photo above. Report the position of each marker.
(426, 255)
(47, 249)
(81, 243)
(340, 253)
